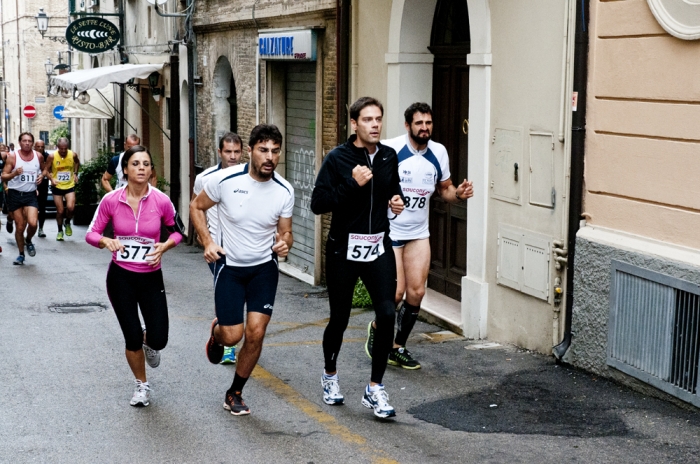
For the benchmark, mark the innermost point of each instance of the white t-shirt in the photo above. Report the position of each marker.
(121, 181)
(420, 172)
(249, 212)
(212, 213)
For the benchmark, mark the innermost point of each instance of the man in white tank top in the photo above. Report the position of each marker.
(22, 172)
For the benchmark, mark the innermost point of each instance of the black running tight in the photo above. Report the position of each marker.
(128, 291)
(379, 276)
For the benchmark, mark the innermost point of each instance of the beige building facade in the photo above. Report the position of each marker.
(24, 74)
(498, 75)
(272, 62)
(637, 267)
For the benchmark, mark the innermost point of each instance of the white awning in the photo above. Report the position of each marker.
(100, 105)
(98, 78)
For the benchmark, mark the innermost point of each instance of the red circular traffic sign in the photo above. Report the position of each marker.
(29, 111)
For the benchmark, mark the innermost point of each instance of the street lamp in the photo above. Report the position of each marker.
(48, 66)
(42, 23)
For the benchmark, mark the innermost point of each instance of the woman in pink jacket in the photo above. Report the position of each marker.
(134, 278)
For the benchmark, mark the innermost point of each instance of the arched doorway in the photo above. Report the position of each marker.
(410, 78)
(225, 101)
(450, 43)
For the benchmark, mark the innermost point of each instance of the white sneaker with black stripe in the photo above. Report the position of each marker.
(142, 394)
(331, 389)
(378, 400)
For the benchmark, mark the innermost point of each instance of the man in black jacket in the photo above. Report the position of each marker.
(357, 182)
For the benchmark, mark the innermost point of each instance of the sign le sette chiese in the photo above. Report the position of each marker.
(288, 45)
(92, 35)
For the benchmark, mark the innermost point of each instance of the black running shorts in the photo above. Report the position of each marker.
(235, 287)
(16, 199)
(61, 192)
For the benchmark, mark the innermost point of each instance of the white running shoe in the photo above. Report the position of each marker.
(331, 390)
(378, 401)
(142, 394)
(152, 356)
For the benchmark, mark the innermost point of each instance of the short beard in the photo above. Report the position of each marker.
(419, 140)
(259, 173)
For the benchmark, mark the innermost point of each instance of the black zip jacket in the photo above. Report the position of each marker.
(360, 210)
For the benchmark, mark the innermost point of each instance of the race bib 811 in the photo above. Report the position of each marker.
(365, 247)
(135, 249)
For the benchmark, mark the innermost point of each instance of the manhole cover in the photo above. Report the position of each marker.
(77, 308)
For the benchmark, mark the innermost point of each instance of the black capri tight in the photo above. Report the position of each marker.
(379, 276)
(128, 291)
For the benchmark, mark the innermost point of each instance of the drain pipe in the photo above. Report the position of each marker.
(578, 136)
(342, 30)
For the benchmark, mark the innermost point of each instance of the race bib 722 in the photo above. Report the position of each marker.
(63, 176)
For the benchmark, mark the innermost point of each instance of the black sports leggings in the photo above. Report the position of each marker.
(379, 276)
(128, 291)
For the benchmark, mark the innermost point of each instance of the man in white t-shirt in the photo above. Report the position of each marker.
(230, 152)
(255, 207)
(424, 168)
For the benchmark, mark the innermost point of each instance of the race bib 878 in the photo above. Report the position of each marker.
(365, 247)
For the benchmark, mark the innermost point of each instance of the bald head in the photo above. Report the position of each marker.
(131, 141)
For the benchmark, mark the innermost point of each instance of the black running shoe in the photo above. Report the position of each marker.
(369, 344)
(402, 357)
(235, 404)
(9, 226)
(215, 351)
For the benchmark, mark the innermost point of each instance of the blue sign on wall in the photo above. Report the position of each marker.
(288, 45)
(58, 112)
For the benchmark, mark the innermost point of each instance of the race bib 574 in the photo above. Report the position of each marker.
(365, 247)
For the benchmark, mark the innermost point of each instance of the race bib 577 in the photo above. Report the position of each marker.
(135, 249)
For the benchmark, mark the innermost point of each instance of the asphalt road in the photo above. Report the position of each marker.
(65, 385)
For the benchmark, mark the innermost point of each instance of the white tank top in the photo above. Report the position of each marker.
(25, 182)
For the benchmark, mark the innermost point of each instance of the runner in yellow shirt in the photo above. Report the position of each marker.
(62, 170)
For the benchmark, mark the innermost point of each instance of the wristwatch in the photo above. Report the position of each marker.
(457, 196)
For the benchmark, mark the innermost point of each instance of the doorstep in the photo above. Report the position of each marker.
(291, 271)
(441, 310)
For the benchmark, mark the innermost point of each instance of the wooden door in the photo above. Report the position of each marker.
(448, 222)
(450, 43)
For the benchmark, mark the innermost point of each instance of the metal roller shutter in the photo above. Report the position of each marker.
(300, 161)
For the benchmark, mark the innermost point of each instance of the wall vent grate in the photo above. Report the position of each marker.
(654, 329)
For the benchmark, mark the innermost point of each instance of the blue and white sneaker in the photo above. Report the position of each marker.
(229, 355)
(378, 400)
(19, 261)
(331, 389)
(31, 249)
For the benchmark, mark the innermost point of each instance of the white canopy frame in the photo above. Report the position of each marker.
(99, 78)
